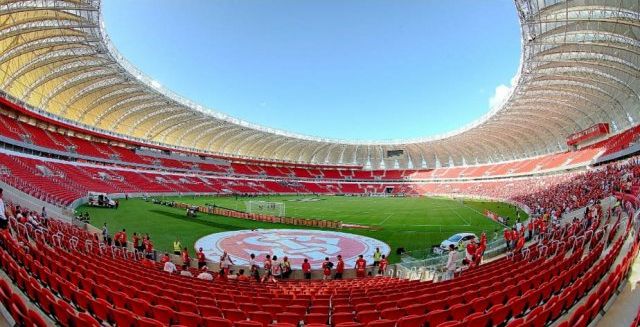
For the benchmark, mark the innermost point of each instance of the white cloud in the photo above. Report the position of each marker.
(501, 93)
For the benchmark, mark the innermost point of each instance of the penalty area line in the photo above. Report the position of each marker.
(463, 219)
(385, 220)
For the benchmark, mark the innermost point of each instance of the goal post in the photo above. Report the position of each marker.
(266, 208)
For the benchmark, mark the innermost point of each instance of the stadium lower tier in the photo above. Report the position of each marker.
(567, 276)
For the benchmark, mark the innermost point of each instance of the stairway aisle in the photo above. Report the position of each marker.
(625, 307)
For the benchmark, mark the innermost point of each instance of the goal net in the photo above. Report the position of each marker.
(265, 208)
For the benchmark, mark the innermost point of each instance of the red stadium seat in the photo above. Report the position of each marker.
(499, 314)
(436, 317)
(123, 317)
(85, 319)
(247, 323)
(261, 316)
(289, 317)
(37, 320)
(188, 319)
(65, 314)
(477, 319)
(234, 315)
(101, 309)
(367, 316)
(209, 311)
(410, 321)
(148, 322)
(341, 318)
(216, 322)
(162, 314)
(382, 323)
(140, 307)
(317, 318)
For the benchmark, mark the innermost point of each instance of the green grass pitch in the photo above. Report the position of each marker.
(415, 223)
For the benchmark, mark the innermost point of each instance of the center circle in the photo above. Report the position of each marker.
(295, 244)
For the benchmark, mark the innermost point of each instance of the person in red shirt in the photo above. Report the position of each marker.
(383, 265)
(116, 239)
(507, 238)
(136, 242)
(306, 269)
(519, 244)
(148, 248)
(339, 268)
(361, 266)
(186, 261)
(165, 258)
(202, 260)
(123, 238)
(471, 251)
(266, 265)
(326, 268)
(479, 254)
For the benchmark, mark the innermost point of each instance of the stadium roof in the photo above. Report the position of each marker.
(579, 66)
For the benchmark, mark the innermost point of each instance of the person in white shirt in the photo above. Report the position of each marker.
(170, 267)
(186, 272)
(4, 222)
(452, 262)
(205, 275)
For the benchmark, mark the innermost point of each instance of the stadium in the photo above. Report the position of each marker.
(125, 204)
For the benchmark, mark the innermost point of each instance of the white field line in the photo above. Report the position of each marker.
(464, 219)
(385, 219)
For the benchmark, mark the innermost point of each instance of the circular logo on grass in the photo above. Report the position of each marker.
(295, 244)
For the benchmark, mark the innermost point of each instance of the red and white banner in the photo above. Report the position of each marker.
(491, 215)
(587, 134)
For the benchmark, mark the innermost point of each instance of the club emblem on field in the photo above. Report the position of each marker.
(297, 245)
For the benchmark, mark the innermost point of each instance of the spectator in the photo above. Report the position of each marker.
(286, 268)
(339, 268)
(148, 248)
(170, 267)
(266, 265)
(202, 260)
(136, 242)
(165, 258)
(470, 252)
(204, 274)
(452, 262)
(253, 267)
(276, 269)
(326, 268)
(185, 272)
(225, 262)
(361, 267)
(105, 232)
(123, 238)
(232, 275)
(4, 221)
(241, 276)
(177, 246)
(306, 269)
(376, 257)
(383, 265)
(186, 260)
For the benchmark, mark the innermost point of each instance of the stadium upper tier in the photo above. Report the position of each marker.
(579, 67)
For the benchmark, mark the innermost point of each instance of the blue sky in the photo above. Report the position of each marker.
(361, 70)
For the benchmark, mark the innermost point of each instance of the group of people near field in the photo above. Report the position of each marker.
(273, 269)
(142, 244)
